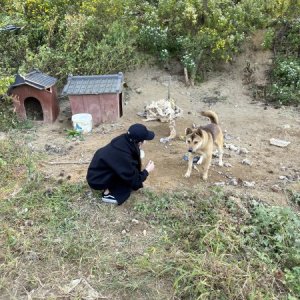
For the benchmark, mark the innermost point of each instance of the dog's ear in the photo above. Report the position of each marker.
(188, 131)
(199, 132)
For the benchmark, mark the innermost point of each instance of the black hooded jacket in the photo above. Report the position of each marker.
(119, 161)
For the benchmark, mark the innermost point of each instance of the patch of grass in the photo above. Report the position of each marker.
(275, 232)
(51, 234)
(213, 247)
(17, 165)
(294, 197)
(197, 244)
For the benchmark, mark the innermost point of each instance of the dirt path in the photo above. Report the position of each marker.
(267, 170)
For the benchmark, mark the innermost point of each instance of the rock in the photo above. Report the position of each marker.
(227, 165)
(164, 140)
(221, 183)
(138, 90)
(275, 188)
(279, 143)
(246, 162)
(124, 231)
(231, 147)
(228, 136)
(243, 151)
(135, 221)
(249, 183)
(282, 177)
(144, 232)
(233, 181)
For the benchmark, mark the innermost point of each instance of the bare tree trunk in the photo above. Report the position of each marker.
(186, 76)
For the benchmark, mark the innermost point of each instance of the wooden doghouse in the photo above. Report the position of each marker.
(35, 97)
(99, 95)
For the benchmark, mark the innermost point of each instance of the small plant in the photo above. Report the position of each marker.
(269, 39)
(292, 278)
(164, 56)
(294, 197)
(72, 133)
(188, 62)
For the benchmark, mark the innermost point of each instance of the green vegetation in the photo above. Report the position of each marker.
(72, 133)
(181, 245)
(200, 245)
(64, 37)
(284, 39)
(215, 247)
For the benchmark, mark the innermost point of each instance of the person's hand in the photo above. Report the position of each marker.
(150, 166)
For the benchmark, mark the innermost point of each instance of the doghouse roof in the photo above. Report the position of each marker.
(36, 79)
(94, 85)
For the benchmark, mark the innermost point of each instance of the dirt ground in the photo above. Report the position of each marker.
(259, 170)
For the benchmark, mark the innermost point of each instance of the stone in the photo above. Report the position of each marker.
(249, 183)
(233, 181)
(279, 143)
(246, 162)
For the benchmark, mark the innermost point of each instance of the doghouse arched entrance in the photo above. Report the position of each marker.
(33, 108)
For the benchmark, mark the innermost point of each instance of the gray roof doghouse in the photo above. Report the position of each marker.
(94, 84)
(36, 79)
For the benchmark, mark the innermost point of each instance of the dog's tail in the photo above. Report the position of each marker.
(211, 115)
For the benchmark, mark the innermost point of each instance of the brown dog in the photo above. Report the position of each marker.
(201, 140)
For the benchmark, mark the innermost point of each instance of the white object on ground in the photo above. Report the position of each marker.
(82, 122)
(279, 143)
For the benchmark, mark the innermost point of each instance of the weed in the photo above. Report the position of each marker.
(294, 197)
(72, 133)
(292, 278)
(212, 249)
(276, 232)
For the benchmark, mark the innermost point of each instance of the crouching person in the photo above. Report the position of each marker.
(117, 169)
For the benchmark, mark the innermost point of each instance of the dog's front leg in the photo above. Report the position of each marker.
(207, 161)
(190, 166)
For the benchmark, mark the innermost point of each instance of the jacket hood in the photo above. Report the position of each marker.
(124, 144)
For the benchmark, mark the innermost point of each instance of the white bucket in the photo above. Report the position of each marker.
(82, 122)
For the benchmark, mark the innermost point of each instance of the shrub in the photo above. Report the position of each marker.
(269, 38)
(285, 78)
(154, 39)
(276, 232)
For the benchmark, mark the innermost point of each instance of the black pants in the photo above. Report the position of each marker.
(120, 192)
(119, 189)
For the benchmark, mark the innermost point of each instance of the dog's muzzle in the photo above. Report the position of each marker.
(190, 150)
